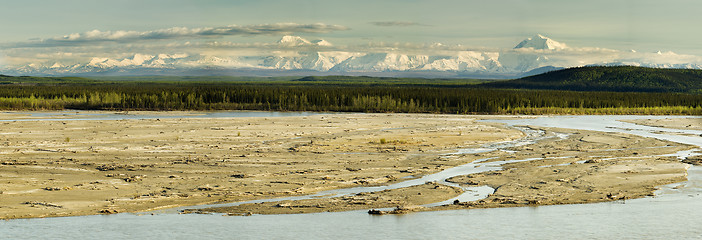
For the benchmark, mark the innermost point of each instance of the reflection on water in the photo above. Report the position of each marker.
(673, 213)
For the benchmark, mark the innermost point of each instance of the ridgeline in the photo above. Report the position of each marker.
(615, 79)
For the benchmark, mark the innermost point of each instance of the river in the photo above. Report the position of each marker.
(671, 214)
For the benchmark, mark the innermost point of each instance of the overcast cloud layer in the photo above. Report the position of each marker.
(97, 36)
(396, 24)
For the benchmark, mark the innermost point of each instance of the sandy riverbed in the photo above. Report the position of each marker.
(63, 168)
(677, 123)
(579, 167)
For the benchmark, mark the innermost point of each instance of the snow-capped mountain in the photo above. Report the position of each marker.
(133, 64)
(322, 43)
(523, 62)
(540, 42)
(318, 61)
(380, 62)
(294, 41)
(466, 61)
(138, 60)
(294, 53)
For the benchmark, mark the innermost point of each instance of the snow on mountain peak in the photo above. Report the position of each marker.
(379, 62)
(292, 41)
(322, 42)
(172, 56)
(295, 41)
(540, 42)
(57, 65)
(137, 59)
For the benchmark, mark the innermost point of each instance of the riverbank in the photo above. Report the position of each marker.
(67, 168)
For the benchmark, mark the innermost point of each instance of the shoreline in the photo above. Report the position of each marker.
(200, 112)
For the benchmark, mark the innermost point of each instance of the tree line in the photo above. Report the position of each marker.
(340, 97)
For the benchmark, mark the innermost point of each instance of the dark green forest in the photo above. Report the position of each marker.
(347, 94)
(619, 79)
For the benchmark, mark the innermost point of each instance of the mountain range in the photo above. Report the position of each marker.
(531, 56)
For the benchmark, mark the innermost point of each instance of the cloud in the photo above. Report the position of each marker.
(396, 24)
(370, 47)
(97, 36)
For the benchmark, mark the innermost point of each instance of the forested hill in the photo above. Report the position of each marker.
(619, 79)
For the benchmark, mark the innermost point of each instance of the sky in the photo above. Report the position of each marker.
(74, 30)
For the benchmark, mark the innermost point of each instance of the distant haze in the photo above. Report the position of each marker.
(428, 38)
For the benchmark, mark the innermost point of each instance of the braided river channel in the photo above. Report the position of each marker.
(674, 211)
